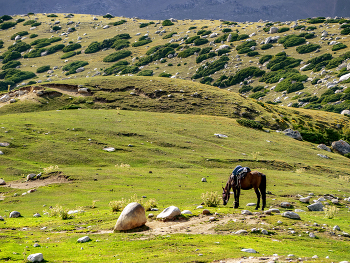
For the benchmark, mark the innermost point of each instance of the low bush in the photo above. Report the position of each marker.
(116, 68)
(55, 48)
(338, 46)
(250, 123)
(141, 42)
(188, 52)
(34, 53)
(10, 55)
(33, 35)
(314, 81)
(252, 53)
(192, 27)
(307, 48)
(211, 199)
(11, 64)
(257, 95)
(52, 15)
(167, 22)
(203, 57)
(289, 85)
(191, 39)
(117, 56)
(16, 75)
(307, 35)
(345, 31)
(4, 85)
(283, 29)
(317, 60)
(240, 76)
(43, 69)
(73, 66)
(205, 50)
(146, 72)
(120, 44)
(221, 52)
(107, 43)
(108, 16)
(7, 25)
(19, 46)
(119, 23)
(203, 32)
(227, 30)
(1, 43)
(245, 89)
(266, 46)
(5, 18)
(265, 58)
(22, 33)
(200, 41)
(211, 68)
(56, 28)
(71, 47)
(281, 61)
(164, 75)
(169, 35)
(317, 20)
(68, 54)
(275, 76)
(291, 41)
(242, 37)
(245, 47)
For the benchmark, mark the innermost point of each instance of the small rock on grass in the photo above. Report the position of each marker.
(38, 257)
(83, 239)
(249, 250)
(291, 215)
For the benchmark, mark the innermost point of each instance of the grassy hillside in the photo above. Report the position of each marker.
(164, 132)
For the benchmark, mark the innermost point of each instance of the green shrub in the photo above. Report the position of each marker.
(250, 123)
(252, 53)
(289, 86)
(205, 50)
(266, 46)
(11, 64)
(33, 36)
(203, 57)
(119, 22)
(227, 30)
(5, 18)
(310, 28)
(281, 61)
(36, 24)
(22, 33)
(210, 68)
(117, 56)
(203, 32)
(164, 75)
(7, 25)
(116, 68)
(307, 48)
(4, 84)
(317, 20)
(52, 15)
(192, 27)
(257, 95)
(108, 16)
(16, 75)
(245, 89)
(11, 55)
(191, 39)
(19, 46)
(275, 76)
(211, 199)
(307, 35)
(169, 35)
(73, 66)
(188, 52)
(345, 31)
(206, 80)
(240, 76)
(265, 58)
(43, 42)
(314, 81)
(142, 25)
(299, 27)
(141, 42)
(291, 41)
(200, 41)
(146, 72)
(43, 69)
(338, 46)
(1, 43)
(120, 44)
(283, 29)
(242, 37)
(71, 47)
(93, 47)
(317, 60)
(34, 53)
(245, 47)
(68, 54)
(167, 22)
(55, 48)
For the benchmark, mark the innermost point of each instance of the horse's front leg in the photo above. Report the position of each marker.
(258, 196)
(236, 193)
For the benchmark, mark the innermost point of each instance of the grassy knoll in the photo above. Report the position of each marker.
(166, 156)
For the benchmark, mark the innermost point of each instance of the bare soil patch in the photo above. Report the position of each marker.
(54, 179)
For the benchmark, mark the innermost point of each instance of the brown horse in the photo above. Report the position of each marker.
(253, 179)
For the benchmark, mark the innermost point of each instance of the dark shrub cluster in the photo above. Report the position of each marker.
(338, 46)
(203, 57)
(200, 41)
(11, 64)
(43, 69)
(142, 25)
(43, 42)
(108, 16)
(4, 84)
(245, 89)
(245, 47)
(73, 66)
(191, 39)
(54, 48)
(35, 53)
(188, 52)
(318, 62)
(146, 72)
(170, 35)
(265, 58)
(266, 46)
(22, 33)
(281, 61)
(167, 22)
(283, 29)
(211, 68)
(144, 40)
(307, 35)
(291, 41)
(16, 75)
(19, 46)
(71, 47)
(10, 55)
(1, 43)
(117, 56)
(157, 53)
(69, 54)
(164, 75)
(240, 76)
(52, 15)
(203, 32)
(307, 48)
(5, 18)
(289, 85)
(7, 25)
(275, 76)
(119, 23)
(317, 20)
(107, 43)
(250, 123)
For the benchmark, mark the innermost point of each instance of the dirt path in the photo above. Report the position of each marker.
(32, 184)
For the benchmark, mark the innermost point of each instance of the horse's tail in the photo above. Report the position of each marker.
(262, 188)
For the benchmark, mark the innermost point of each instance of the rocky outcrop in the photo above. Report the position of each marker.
(341, 147)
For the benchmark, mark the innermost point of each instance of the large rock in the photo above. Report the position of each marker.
(83, 239)
(305, 199)
(347, 112)
(293, 134)
(169, 213)
(291, 215)
(273, 30)
(286, 205)
(132, 216)
(15, 214)
(324, 147)
(2, 182)
(344, 77)
(316, 207)
(38, 257)
(341, 146)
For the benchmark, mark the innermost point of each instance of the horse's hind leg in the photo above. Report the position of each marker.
(258, 196)
(263, 196)
(236, 194)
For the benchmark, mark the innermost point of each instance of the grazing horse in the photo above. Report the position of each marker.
(252, 179)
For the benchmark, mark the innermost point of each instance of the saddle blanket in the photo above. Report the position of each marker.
(239, 170)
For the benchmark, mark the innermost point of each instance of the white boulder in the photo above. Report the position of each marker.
(169, 213)
(133, 216)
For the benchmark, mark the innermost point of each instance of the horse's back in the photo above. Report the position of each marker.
(252, 180)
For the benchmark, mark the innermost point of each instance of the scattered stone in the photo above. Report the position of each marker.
(38, 257)
(335, 201)
(37, 215)
(1, 153)
(132, 216)
(305, 199)
(246, 212)
(274, 210)
(336, 228)
(2, 182)
(251, 204)
(322, 156)
(273, 30)
(293, 134)
(150, 215)
(169, 213)
(186, 212)
(324, 147)
(286, 205)
(241, 232)
(249, 250)
(315, 207)
(2, 219)
(291, 215)
(312, 235)
(204, 179)
(109, 149)
(212, 218)
(36, 245)
(31, 177)
(264, 232)
(299, 210)
(347, 112)
(341, 146)
(315, 256)
(15, 214)
(200, 207)
(206, 212)
(83, 239)
(279, 222)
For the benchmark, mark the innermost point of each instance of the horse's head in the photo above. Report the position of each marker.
(225, 195)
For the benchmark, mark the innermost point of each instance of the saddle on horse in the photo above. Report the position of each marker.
(239, 173)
